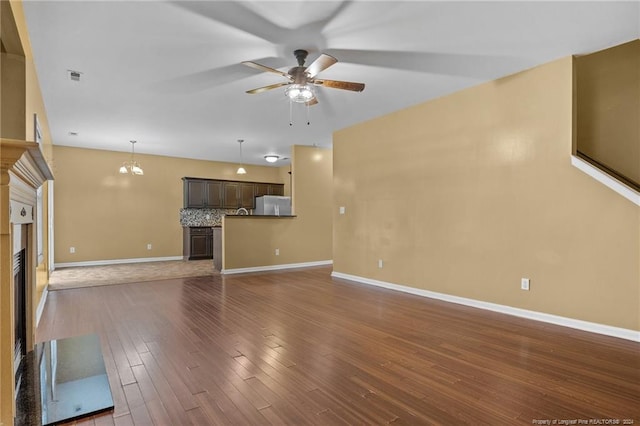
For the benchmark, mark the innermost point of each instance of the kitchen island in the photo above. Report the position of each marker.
(265, 243)
(203, 235)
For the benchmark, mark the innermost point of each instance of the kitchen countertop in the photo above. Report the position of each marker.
(260, 216)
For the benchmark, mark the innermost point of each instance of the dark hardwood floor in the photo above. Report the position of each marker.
(298, 347)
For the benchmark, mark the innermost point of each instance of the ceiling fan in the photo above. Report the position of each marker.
(300, 79)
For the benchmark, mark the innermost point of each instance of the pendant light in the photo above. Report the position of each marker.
(241, 170)
(132, 166)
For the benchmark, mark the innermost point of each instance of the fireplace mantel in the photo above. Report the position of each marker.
(25, 160)
(23, 169)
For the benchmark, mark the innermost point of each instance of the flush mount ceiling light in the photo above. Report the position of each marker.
(271, 158)
(301, 93)
(241, 170)
(132, 166)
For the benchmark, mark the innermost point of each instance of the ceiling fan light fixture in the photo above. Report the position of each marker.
(271, 158)
(300, 93)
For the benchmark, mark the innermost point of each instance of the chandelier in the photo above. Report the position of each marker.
(132, 166)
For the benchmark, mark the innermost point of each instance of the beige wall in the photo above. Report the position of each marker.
(34, 104)
(608, 108)
(467, 194)
(106, 215)
(251, 242)
(285, 177)
(21, 99)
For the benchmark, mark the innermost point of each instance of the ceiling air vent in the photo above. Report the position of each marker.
(74, 75)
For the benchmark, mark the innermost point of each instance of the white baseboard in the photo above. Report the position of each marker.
(276, 267)
(40, 308)
(116, 261)
(607, 330)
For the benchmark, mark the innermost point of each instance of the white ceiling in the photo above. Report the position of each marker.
(168, 74)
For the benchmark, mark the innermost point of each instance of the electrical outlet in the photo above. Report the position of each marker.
(149, 246)
(380, 263)
(277, 252)
(524, 284)
(72, 250)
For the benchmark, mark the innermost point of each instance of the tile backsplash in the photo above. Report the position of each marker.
(203, 217)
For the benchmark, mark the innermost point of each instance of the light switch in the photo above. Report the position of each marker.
(342, 209)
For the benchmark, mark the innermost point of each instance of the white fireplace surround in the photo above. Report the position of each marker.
(23, 170)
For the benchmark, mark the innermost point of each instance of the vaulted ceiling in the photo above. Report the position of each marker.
(169, 74)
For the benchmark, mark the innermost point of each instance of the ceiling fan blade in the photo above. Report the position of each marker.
(323, 62)
(265, 68)
(312, 102)
(207, 79)
(265, 88)
(318, 27)
(457, 64)
(344, 85)
(237, 15)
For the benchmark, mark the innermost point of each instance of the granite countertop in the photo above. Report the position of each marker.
(202, 217)
(212, 218)
(260, 216)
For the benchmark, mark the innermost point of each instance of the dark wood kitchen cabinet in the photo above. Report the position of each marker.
(214, 194)
(197, 242)
(238, 194)
(247, 195)
(268, 189)
(276, 189)
(261, 189)
(230, 195)
(202, 193)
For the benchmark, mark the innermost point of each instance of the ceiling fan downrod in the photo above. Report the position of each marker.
(301, 56)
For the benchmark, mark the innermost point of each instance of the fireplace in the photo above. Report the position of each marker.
(20, 313)
(22, 171)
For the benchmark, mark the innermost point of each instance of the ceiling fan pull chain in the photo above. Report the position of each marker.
(308, 121)
(290, 113)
